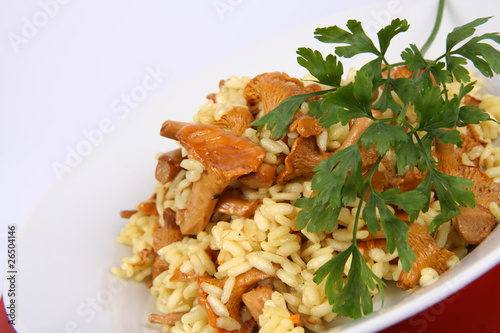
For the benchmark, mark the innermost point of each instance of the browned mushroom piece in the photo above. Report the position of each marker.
(402, 71)
(163, 236)
(166, 318)
(158, 267)
(126, 214)
(237, 120)
(232, 204)
(212, 97)
(484, 188)
(428, 254)
(369, 155)
(180, 276)
(471, 140)
(303, 157)
(144, 255)
(452, 155)
(169, 128)
(367, 245)
(168, 233)
(270, 89)
(305, 153)
(357, 129)
(168, 166)
(243, 282)
(470, 100)
(148, 207)
(262, 178)
(254, 299)
(473, 224)
(305, 125)
(226, 157)
(384, 180)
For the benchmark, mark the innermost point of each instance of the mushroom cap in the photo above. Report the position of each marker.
(254, 299)
(305, 125)
(221, 151)
(231, 204)
(168, 233)
(262, 178)
(168, 166)
(243, 282)
(226, 156)
(272, 88)
(236, 120)
(474, 224)
(450, 156)
(428, 253)
(304, 156)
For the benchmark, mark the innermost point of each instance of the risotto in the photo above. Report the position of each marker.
(247, 266)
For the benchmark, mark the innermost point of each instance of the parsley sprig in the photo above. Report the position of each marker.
(338, 181)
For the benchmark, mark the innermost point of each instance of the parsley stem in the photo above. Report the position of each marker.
(356, 217)
(402, 113)
(437, 24)
(362, 195)
(396, 64)
(429, 161)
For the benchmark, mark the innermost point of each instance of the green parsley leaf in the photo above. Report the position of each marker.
(484, 56)
(372, 70)
(325, 111)
(440, 74)
(317, 210)
(396, 231)
(357, 41)
(431, 110)
(456, 67)
(352, 299)
(447, 136)
(410, 201)
(407, 154)
(414, 58)
(370, 213)
(463, 32)
(281, 117)
(386, 34)
(465, 89)
(383, 135)
(406, 89)
(450, 190)
(333, 271)
(337, 181)
(354, 98)
(469, 114)
(386, 100)
(327, 71)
